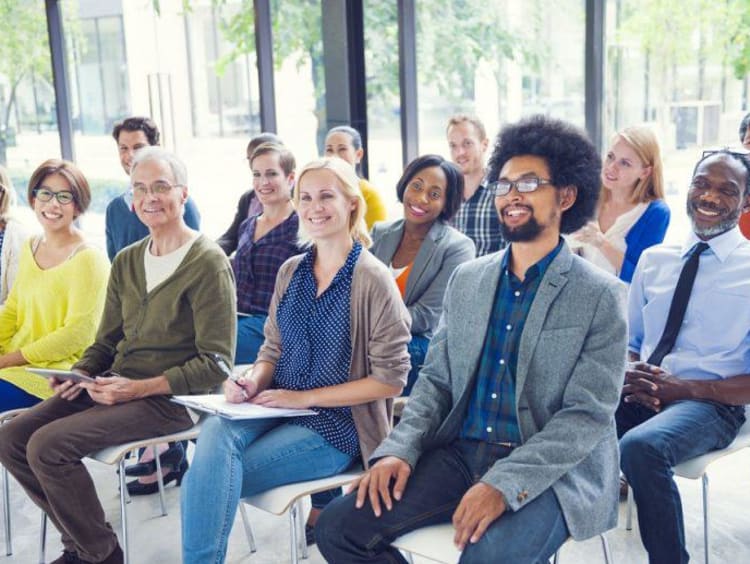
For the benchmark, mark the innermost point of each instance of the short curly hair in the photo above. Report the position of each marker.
(454, 182)
(570, 156)
(744, 124)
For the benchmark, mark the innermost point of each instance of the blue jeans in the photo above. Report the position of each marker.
(235, 459)
(417, 351)
(249, 337)
(13, 397)
(433, 492)
(650, 445)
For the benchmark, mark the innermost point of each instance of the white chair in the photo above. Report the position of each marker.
(116, 455)
(436, 543)
(698, 468)
(289, 497)
(4, 418)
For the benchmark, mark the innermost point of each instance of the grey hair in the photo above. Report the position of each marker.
(156, 153)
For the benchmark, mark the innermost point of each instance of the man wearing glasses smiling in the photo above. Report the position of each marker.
(685, 390)
(509, 430)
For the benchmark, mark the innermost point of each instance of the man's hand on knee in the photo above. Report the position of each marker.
(479, 508)
(376, 482)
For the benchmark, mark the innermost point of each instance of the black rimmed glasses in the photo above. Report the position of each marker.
(64, 197)
(524, 185)
(158, 188)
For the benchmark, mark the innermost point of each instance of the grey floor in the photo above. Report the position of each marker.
(156, 539)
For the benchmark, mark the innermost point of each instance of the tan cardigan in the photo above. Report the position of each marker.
(380, 333)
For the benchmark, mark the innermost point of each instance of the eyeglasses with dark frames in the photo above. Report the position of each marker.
(503, 186)
(64, 197)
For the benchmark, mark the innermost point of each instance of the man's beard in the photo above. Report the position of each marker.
(713, 230)
(523, 233)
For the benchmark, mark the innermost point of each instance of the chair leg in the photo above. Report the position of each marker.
(629, 520)
(248, 528)
(6, 512)
(160, 481)
(43, 538)
(293, 532)
(605, 549)
(301, 538)
(705, 516)
(124, 512)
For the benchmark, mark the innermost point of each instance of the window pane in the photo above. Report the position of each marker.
(678, 81)
(299, 77)
(383, 102)
(499, 60)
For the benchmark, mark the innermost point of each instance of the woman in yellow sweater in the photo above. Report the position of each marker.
(346, 143)
(55, 304)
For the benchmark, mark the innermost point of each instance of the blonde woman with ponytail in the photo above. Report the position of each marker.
(335, 341)
(632, 212)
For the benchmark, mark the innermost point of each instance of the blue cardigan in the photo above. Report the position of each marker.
(648, 231)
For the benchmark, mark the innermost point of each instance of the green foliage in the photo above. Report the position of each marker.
(739, 41)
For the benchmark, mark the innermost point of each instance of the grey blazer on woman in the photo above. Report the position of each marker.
(441, 252)
(571, 363)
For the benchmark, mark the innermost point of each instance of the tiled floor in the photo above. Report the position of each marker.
(156, 539)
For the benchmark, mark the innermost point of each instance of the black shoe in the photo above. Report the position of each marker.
(171, 457)
(137, 488)
(67, 557)
(309, 534)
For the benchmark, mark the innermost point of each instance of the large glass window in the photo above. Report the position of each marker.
(383, 102)
(499, 60)
(673, 69)
(28, 123)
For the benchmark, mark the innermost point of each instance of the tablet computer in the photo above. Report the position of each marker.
(61, 374)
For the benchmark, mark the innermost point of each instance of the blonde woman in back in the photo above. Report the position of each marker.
(632, 212)
(12, 234)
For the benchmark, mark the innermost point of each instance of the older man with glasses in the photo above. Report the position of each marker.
(168, 327)
(685, 390)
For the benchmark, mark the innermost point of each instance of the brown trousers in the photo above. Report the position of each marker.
(43, 448)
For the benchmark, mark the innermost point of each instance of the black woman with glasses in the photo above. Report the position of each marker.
(54, 306)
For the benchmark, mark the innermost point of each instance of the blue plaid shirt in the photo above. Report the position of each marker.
(477, 219)
(256, 263)
(491, 413)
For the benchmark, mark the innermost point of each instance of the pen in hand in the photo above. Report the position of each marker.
(237, 379)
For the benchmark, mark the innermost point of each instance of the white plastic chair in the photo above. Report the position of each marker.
(4, 418)
(436, 543)
(116, 455)
(289, 497)
(698, 468)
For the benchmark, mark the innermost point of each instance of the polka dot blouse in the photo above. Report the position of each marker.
(316, 346)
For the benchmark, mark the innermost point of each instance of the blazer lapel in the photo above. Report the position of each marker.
(390, 241)
(553, 282)
(423, 259)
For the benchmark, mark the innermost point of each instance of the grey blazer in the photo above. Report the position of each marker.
(571, 363)
(441, 252)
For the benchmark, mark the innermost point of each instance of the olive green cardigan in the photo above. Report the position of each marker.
(176, 329)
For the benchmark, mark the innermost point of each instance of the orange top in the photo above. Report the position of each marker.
(745, 224)
(402, 278)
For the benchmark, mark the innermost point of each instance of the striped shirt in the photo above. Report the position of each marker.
(491, 413)
(477, 219)
(256, 263)
(316, 346)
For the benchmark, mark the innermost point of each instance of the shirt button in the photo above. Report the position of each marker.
(502, 361)
(489, 429)
(494, 396)
(508, 327)
(516, 293)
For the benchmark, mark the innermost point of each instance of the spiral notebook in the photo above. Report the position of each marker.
(216, 404)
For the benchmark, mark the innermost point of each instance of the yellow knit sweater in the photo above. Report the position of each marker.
(51, 315)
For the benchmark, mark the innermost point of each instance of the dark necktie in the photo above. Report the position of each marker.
(678, 306)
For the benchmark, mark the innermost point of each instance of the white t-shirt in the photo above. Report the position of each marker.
(159, 268)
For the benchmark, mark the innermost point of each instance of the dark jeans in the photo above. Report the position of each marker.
(347, 535)
(651, 444)
(43, 448)
(13, 397)
(417, 351)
